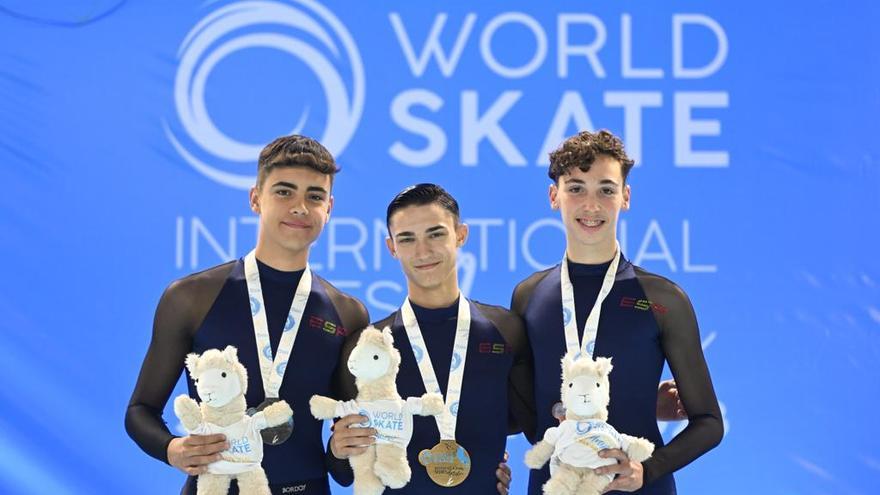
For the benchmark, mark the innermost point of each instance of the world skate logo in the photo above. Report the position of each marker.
(303, 29)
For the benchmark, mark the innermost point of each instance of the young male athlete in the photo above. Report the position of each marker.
(597, 302)
(288, 324)
(473, 354)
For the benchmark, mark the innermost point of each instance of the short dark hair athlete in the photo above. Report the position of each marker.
(645, 320)
(425, 233)
(211, 309)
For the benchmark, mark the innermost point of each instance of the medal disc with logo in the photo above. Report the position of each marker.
(448, 463)
(275, 435)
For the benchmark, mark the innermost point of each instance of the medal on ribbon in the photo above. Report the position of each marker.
(447, 463)
(272, 368)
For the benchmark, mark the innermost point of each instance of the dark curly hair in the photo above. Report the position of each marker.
(295, 151)
(582, 149)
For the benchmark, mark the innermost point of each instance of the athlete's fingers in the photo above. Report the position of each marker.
(355, 440)
(621, 468)
(615, 453)
(348, 421)
(355, 432)
(503, 475)
(348, 440)
(196, 470)
(207, 449)
(193, 440)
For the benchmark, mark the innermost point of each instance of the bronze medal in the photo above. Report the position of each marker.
(448, 463)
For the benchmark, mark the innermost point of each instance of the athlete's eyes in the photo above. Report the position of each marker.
(282, 192)
(404, 239)
(608, 191)
(435, 235)
(316, 197)
(575, 189)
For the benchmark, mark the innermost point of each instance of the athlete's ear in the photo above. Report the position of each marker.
(461, 234)
(626, 196)
(254, 196)
(329, 209)
(553, 193)
(390, 244)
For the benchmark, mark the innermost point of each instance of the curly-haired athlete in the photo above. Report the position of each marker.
(596, 301)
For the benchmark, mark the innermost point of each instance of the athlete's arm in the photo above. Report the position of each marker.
(520, 380)
(181, 309)
(680, 339)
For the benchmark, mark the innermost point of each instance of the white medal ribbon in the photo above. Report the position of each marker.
(569, 313)
(445, 422)
(272, 370)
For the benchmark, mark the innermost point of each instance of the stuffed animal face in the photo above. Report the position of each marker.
(586, 395)
(585, 385)
(218, 376)
(217, 387)
(369, 361)
(374, 356)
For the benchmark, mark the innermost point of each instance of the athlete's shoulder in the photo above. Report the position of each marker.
(350, 308)
(661, 289)
(499, 315)
(187, 300)
(347, 301)
(509, 324)
(529, 283)
(523, 291)
(195, 284)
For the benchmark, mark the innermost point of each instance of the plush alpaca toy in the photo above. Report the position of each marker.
(221, 382)
(375, 362)
(573, 446)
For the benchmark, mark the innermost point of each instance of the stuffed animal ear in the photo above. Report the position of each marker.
(604, 366)
(567, 362)
(230, 354)
(192, 360)
(387, 337)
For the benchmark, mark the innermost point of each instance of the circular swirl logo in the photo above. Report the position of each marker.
(303, 29)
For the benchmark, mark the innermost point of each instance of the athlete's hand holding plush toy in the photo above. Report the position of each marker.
(221, 381)
(573, 446)
(375, 362)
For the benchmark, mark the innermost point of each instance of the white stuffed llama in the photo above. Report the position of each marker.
(221, 382)
(375, 362)
(573, 446)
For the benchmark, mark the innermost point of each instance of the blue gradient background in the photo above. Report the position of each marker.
(94, 190)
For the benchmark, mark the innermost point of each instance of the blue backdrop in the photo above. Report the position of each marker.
(129, 132)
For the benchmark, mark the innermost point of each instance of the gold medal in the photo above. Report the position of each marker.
(448, 463)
